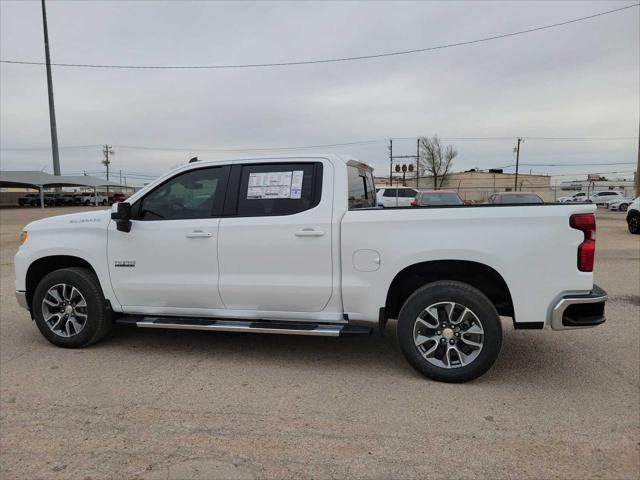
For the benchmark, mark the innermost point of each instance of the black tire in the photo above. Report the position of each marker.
(98, 321)
(464, 295)
(623, 207)
(633, 222)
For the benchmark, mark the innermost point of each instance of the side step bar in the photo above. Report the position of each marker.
(222, 325)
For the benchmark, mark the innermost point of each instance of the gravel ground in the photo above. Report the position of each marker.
(170, 404)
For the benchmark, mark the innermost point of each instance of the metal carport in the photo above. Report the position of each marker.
(41, 180)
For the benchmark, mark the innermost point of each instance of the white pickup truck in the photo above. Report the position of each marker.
(296, 245)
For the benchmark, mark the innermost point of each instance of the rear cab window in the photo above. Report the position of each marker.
(361, 189)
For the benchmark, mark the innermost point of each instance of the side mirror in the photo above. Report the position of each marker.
(121, 213)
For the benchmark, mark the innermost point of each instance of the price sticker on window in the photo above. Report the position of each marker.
(275, 185)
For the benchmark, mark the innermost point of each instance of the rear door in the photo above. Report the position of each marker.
(275, 239)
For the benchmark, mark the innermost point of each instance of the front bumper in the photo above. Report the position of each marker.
(22, 299)
(579, 311)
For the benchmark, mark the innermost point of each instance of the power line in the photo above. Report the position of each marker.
(568, 164)
(250, 149)
(332, 60)
(329, 145)
(68, 147)
(354, 143)
(581, 139)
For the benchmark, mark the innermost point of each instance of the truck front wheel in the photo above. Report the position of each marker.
(449, 331)
(69, 308)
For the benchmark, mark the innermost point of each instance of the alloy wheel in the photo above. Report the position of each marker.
(64, 310)
(448, 335)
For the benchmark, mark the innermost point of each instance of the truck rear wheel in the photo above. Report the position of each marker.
(449, 331)
(69, 308)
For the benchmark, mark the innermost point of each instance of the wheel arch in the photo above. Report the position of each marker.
(479, 275)
(45, 265)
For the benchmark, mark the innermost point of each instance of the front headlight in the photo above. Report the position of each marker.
(23, 237)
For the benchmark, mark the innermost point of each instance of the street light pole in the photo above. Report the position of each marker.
(52, 108)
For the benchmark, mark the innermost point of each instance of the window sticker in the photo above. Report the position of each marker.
(296, 184)
(274, 185)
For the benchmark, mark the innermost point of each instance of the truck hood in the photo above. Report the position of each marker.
(93, 219)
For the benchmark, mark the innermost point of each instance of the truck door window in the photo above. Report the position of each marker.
(193, 194)
(276, 189)
(362, 192)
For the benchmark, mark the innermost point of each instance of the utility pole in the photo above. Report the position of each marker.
(52, 108)
(120, 177)
(637, 175)
(418, 163)
(391, 163)
(107, 150)
(517, 150)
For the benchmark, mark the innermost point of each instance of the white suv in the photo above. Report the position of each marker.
(633, 216)
(396, 196)
(601, 198)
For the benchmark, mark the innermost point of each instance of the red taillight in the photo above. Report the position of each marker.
(585, 222)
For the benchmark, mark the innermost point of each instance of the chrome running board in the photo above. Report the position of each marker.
(223, 325)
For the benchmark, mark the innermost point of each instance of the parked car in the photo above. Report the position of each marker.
(433, 198)
(633, 216)
(601, 198)
(89, 198)
(564, 199)
(28, 200)
(65, 200)
(515, 198)
(579, 197)
(619, 204)
(33, 200)
(396, 196)
(292, 246)
(118, 197)
(49, 200)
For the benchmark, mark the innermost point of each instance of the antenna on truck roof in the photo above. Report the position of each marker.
(194, 159)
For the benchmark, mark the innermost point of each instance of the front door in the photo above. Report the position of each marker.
(275, 252)
(168, 262)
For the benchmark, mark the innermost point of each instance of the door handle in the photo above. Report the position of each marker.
(309, 232)
(199, 234)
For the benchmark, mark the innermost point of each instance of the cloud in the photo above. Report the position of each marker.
(575, 81)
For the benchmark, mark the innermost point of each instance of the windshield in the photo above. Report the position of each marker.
(448, 198)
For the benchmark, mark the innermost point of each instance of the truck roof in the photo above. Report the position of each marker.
(334, 157)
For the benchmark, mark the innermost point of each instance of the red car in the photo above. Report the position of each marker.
(118, 197)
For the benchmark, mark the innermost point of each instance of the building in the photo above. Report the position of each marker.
(478, 186)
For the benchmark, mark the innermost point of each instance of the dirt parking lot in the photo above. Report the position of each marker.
(171, 404)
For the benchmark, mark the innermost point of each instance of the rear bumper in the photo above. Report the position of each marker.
(579, 311)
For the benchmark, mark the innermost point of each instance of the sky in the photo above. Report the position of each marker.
(575, 81)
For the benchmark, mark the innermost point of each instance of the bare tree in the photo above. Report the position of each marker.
(436, 159)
